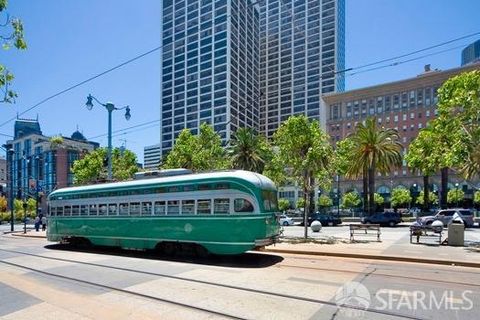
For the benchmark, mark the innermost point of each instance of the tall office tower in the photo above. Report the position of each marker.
(210, 67)
(302, 49)
(151, 157)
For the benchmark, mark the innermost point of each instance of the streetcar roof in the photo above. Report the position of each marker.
(256, 179)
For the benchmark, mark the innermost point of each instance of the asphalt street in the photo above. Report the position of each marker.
(42, 280)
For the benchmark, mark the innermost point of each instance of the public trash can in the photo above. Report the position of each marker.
(456, 232)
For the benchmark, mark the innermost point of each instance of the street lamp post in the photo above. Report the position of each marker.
(110, 107)
(10, 153)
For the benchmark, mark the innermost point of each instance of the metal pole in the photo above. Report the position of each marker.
(36, 186)
(110, 108)
(338, 195)
(11, 192)
(25, 216)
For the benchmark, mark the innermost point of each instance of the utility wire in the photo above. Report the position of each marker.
(124, 129)
(83, 82)
(394, 64)
(412, 53)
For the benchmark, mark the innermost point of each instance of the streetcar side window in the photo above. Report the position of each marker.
(173, 207)
(83, 210)
(134, 208)
(93, 210)
(52, 211)
(204, 206)
(68, 210)
(75, 210)
(146, 208)
(159, 208)
(102, 209)
(59, 211)
(123, 209)
(112, 209)
(188, 206)
(242, 205)
(221, 206)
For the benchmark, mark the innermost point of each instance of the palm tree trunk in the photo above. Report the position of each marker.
(426, 190)
(365, 191)
(371, 189)
(444, 188)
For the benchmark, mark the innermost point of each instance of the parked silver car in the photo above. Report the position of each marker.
(446, 216)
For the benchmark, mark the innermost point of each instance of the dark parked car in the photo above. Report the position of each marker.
(324, 218)
(383, 218)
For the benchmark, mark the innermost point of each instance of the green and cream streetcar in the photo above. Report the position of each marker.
(225, 212)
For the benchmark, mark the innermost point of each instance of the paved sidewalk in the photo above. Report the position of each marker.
(395, 245)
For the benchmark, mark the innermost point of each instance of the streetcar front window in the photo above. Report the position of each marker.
(270, 200)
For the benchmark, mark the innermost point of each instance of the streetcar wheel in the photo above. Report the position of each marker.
(201, 252)
(169, 248)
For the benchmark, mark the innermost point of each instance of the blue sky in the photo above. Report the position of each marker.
(70, 41)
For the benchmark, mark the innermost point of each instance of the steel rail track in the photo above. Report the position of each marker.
(227, 286)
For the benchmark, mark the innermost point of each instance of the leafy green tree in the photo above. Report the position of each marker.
(324, 202)
(3, 204)
(283, 204)
(379, 200)
(455, 196)
(304, 148)
(11, 35)
(300, 203)
(197, 152)
(56, 141)
(457, 128)
(375, 149)
(419, 158)
(18, 208)
(351, 200)
(94, 166)
(249, 151)
(432, 198)
(400, 197)
(476, 197)
(31, 206)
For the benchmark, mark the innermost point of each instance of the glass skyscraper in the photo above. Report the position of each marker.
(210, 67)
(302, 45)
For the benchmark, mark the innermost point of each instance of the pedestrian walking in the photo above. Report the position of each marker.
(37, 223)
(44, 223)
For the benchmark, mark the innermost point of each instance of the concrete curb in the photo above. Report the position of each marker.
(21, 234)
(377, 257)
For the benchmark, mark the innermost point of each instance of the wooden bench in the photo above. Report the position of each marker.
(425, 232)
(364, 230)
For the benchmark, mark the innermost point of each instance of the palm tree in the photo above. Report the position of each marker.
(249, 151)
(376, 149)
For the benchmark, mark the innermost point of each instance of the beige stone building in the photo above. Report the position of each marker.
(406, 105)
